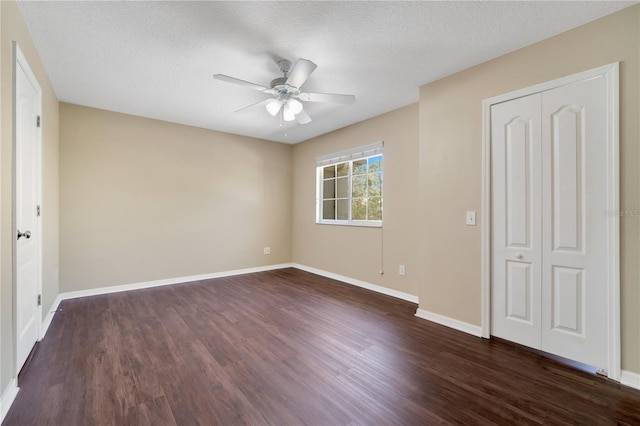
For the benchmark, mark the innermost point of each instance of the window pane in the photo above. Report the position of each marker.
(375, 184)
(329, 171)
(375, 164)
(375, 208)
(359, 167)
(329, 189)
(343, 169)
(359, 186)
(359, 209)
(329, 209)
(343, 209)
(343, 187)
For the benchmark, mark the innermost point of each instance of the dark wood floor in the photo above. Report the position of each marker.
(287, 347)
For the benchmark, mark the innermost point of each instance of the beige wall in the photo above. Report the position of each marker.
(144, 200)
(451, 168)
(356, 252)
(14, 28)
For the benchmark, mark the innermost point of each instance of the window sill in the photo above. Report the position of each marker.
(350, 223)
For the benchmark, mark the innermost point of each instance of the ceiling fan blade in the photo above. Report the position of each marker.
(300, 73)
(303, 117)
(326, 97)
(248, 84)
(253, 106)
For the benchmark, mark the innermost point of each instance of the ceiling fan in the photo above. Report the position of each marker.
(286, 92)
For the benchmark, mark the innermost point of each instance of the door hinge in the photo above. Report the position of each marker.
(38, 211)
(38, 121)
(39, 299)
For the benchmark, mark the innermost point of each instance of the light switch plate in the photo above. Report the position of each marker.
(471, 218)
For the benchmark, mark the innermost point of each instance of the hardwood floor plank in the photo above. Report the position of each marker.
(289, 347)
(152, 413)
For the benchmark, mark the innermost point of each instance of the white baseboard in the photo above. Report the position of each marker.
(450, 322)
(629, 378)
(169, 281)
(8, 396)
(378, 289)
(47, 320)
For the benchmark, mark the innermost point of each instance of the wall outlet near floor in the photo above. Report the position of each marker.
(267, 250)
(402, 270)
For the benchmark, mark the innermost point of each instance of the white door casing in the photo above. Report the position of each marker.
(28, 281)
(580, 235)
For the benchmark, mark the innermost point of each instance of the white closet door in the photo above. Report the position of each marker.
(574, 234)
(516, 220)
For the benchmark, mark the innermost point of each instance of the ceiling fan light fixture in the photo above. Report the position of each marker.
(295, 106)
(273, 106)
(287, 113)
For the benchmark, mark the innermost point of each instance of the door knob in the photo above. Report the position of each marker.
(519, 256)
(26, 234)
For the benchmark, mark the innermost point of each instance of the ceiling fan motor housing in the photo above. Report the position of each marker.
(276, 82)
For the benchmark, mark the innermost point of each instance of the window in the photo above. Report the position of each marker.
(350, 187)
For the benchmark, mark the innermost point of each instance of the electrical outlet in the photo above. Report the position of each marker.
(267, 250)
(402, 270)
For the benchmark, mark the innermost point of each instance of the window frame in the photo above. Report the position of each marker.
(339, 159)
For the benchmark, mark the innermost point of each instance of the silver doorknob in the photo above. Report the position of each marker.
(26, 234)
(519, 256)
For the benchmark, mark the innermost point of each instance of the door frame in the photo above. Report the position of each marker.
(611, 73)
(19, 60)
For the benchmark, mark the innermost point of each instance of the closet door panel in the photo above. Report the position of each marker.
(574, 258)
(516, 228)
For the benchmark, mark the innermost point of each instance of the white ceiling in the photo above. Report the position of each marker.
(156, 59)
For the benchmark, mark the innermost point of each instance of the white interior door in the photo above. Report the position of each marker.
(574, 249)
(28, 281)
(549, 183)
(516, 220)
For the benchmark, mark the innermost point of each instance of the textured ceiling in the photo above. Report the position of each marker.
(156, 59)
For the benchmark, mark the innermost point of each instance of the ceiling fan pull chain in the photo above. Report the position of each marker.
(281, 123)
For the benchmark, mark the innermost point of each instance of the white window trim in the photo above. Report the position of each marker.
(352, 154)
